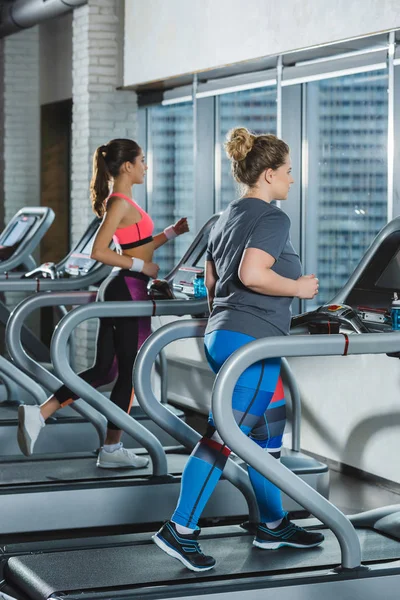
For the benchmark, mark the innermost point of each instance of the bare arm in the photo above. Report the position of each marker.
(210, 281)
(159, 240)
(255, 273)
(179, 228)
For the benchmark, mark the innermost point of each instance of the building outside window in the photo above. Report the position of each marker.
(171, 182)
(254, 109)
(346, 203)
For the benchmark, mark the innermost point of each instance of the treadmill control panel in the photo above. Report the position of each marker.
(17, 232)
(78, 262)
(184, 279)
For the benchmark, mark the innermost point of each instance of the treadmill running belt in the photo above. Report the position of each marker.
(44, 574)
(44, 471)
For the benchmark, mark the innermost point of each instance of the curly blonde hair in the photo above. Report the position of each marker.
(252, 154)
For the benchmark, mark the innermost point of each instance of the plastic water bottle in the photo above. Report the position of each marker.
(395, 312)
(199, 288)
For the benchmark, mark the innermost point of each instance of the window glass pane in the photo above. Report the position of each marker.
(347, 176)
(172, 178)
(254, 109)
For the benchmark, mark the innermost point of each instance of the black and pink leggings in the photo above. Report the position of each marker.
(118, 342)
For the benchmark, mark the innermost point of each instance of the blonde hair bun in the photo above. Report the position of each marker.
(239, 142)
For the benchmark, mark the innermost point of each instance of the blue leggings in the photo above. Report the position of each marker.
(262, 420)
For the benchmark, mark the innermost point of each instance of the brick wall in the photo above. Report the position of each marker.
(21, 126)
(21, 121)
(100, 113)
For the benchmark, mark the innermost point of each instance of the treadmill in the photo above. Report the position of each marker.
(74, 272)
(21, 237)
(79, 470)
(18, 240)
(41, 481)
(360, 557)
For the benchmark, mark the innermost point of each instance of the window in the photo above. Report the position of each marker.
(346, 201)
(171, 182)
(254, 109)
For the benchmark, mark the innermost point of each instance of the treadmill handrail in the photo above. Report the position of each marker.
(165, 418)
(35, 370)
(25, 249)
(56, 285)
(59, 356)
(9, 371)
(293, 486)
(295, 399)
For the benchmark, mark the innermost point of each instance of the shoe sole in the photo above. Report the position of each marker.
(168, 550)
(22, 434)
(276, 545)
(116, 466)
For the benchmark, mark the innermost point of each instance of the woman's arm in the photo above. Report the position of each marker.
(210, 281)
(159, 240)
(255, 273)
(180, 227)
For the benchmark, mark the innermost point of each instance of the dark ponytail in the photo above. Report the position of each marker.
(107, 162)
(99, 185)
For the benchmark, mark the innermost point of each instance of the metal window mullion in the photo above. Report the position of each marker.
(150, 162)
(141, 190)
(279, 69)
(304, 180)
(195, 178)
(217, 156)
(390, 133)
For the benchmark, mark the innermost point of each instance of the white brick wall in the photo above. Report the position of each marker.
(100, 113)
(20, 122)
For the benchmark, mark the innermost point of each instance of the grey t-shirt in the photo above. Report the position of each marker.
(250, 223)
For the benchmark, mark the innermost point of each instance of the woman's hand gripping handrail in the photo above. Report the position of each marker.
(161, 415)
(321, 345)
(92, 396)
(34, 369)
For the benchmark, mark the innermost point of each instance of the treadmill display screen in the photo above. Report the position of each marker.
(390, 278)
(18, 231)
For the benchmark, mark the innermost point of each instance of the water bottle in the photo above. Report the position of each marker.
(199, 288)
(395, 312)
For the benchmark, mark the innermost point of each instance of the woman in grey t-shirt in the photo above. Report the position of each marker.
(252, 275)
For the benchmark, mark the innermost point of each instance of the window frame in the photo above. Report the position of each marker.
(297, 70)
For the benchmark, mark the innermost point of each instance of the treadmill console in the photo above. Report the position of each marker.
(185, 277)
(17, 231)
(182, 277)
(75, 264)
(79, 262)
(364, 303)
(372, 292)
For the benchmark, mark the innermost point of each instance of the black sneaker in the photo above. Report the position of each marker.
(183, 547)
(286, 534)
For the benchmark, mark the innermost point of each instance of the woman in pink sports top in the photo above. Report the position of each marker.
(119, 165)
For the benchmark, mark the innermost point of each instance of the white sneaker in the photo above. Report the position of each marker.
(121, 459)
(29, 426)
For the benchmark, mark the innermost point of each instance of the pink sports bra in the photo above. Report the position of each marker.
(137, 234)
